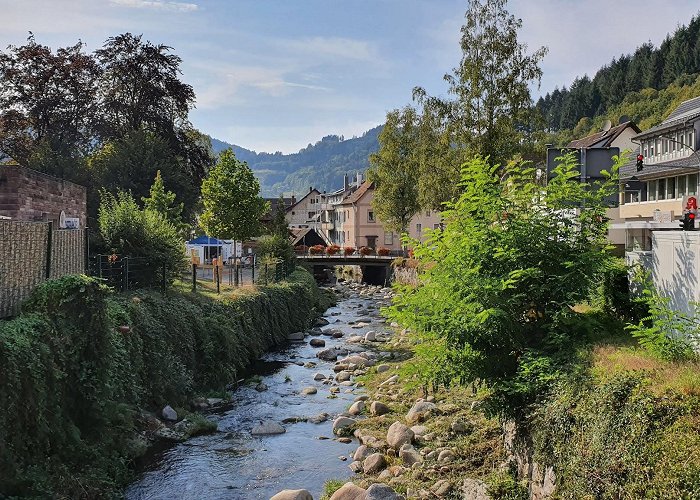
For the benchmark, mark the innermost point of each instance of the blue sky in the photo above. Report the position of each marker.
(275, 75)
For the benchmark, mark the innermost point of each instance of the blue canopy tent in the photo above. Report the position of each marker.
(209, 248)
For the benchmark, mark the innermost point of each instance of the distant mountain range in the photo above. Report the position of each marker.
(321, 165)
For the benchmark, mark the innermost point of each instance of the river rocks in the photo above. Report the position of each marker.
(370, 336)
(319, 376)
(380, 491)
(446, 456)
(442, 488)
(320, 418)
(358, 360)
(321, 322)
(345, 440)
(356, 408)
(296, 336)
(330, 332)
(337, 334)
(349, 491)
(267, 428)
(390, 381)
(307, 391)
(168, 434)
(398, 435)
(309, 364)
(315, 332)
(473, 489)
(409, 455)
(355, 339)
(356, 467)
(317, 343)
(169, 414)
(293, 495)
(343, 376)
(374, 463)
(420, 411)
(378, 408)
(342, 423)
(261, 387)
(330, 354)
(383, 368)
(419, 431)
(362, 452)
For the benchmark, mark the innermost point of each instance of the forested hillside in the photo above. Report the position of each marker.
(321, 165)
(644, 86)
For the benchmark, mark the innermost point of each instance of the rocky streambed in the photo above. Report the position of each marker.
(284, 430)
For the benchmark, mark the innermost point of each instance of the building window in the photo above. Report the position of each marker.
(651, 148)
(661, 189)
(370, 216)
(693, 185)
(665, 146)
(651, 190)
(436, 226)
(632, 196)
(388, 238)
(311, 215)
(292, 213)
(419, 229)
(671, 188)
(682, 186)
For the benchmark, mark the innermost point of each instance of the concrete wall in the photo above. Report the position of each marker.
(28, 195)
(675, 266)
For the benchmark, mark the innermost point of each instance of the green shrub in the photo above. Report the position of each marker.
(146, 235)
(72, 380)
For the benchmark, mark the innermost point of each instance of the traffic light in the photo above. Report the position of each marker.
(640, 163)
(688, 221)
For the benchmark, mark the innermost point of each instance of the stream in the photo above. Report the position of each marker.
(233, 464)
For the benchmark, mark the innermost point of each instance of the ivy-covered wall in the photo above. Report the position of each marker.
(72, 377)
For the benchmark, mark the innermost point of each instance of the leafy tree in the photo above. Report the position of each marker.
(48, 103)
(497, 291)
(278, 225)
(491, 85)
(163, 202)
(231, 199)
(394, 170)
(140, 87)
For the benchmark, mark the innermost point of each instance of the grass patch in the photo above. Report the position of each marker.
(330, 487)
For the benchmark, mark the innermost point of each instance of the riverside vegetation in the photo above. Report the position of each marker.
(80, 362)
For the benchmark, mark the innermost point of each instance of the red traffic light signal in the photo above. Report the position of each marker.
(640, 162)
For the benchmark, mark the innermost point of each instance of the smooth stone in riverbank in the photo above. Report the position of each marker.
(380, 491)
(349, 491)
(169, 414)
(296, 336)
(307, 391)
(317, 343)
(267, 428)
(378, 408)
(356, 408)
(399, 435)
(374, 463)
(293, 495)
(341, 423)
(420, 411)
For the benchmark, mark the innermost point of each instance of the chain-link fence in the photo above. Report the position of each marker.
(130, 273)
(258, 272)
(32, 252)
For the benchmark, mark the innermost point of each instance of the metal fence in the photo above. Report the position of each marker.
(32, 252)
(260, 273)
(130, 273)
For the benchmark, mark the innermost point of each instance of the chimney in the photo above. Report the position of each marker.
(311, 188)
(359, 179)
(345, 182)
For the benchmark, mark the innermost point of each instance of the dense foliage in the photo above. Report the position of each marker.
(72, 382)
(141, 234)
(231, 200)
(499, 282)
(278, 248)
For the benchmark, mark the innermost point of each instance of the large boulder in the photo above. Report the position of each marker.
(378, 408)
(349, 491)
(356, 408)
(343, 376)
(293, 495)
(360, 361)
(306, 391)
(341, 423)
(321, 322)
(330, 354)
(169, 414)
(420, 411)
(317, 343)
(267, 428)
(409, 455)
(380, 491)
(374, 463)
(399, 435)
(296, 336)
(362, 452)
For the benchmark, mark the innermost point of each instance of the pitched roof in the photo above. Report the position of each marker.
(604, 137)
(685, 112)
(688, 165)
(312, 190)
(355, 196)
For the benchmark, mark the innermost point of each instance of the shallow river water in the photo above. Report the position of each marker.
(233, 464)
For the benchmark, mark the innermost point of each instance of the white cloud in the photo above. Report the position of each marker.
(157, 5)
(332, 48)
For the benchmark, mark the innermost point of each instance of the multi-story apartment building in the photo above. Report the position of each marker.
(306, 212)
(652, 198)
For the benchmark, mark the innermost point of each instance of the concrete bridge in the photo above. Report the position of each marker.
(376, 269)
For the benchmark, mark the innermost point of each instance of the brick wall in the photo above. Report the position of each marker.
(28, 195)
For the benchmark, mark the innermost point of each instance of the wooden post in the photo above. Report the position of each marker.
(217, 278)
(194, 277)
(235, 271)
(49, 249)
(252, 270)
